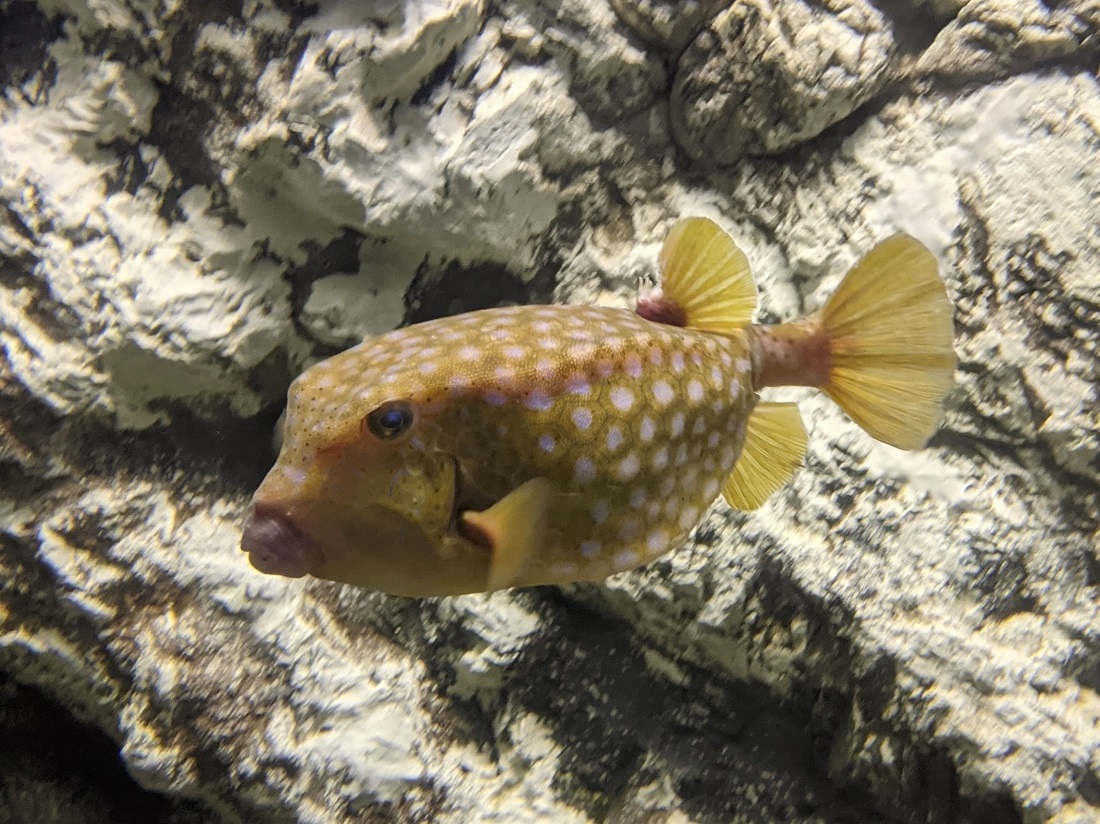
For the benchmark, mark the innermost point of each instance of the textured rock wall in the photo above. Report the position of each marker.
(199, 199)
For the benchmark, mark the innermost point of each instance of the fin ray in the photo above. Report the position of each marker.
(704, 273)
(890, 331)
(774, 448)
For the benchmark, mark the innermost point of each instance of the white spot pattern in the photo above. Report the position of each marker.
(626, 559)
(537, 401)
(590, 549)
(662, 393)
(584, 471)
(629, 529)
(629, 466)
(688, 517)
(614, 438)
(678, 424)
(599, 511)
(577, 385)
(622, 398)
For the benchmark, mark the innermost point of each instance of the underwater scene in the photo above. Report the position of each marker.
(524, 411)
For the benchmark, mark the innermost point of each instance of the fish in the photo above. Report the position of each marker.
(555, 444)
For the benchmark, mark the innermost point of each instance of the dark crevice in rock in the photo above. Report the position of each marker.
(130, 174)
(205, 91)
(1002, 579)
(458, 288)
(185, 110)
(179, 125)
(916, 26)
(956, 82)
(54, 768)
(297, 10)
(919, 783)
(338, 256)
(713, 739)
(51, 316)
(228, 458)
(207, 458)
(436, 79)
(25, 35)
(619, 725)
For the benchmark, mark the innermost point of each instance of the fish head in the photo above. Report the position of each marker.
(363, 490)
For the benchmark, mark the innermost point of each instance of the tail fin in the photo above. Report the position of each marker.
(890, 332)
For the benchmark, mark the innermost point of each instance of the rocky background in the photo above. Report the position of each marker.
(198, 199)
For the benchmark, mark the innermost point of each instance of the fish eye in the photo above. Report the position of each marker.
(390, 420)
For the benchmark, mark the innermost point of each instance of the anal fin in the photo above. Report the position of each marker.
(774, 448)
(513, 530)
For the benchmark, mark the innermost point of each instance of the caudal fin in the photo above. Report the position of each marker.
(890, 333)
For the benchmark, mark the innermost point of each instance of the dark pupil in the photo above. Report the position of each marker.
(393, 420)
(390, 419)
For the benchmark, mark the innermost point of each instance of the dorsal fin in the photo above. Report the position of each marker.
(707, 276)
(775, 446)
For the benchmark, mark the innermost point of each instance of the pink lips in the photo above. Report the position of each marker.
(275, 546)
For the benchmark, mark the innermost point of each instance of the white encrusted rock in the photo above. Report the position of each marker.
(197, 202)
(763, 77)
(993, 38)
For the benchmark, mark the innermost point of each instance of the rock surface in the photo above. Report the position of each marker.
(201, 199)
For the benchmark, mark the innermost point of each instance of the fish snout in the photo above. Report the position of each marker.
(276, 546)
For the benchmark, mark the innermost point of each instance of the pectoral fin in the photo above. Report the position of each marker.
(514, 529)
(775, 446)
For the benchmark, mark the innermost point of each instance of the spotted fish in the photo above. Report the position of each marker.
(551, 444)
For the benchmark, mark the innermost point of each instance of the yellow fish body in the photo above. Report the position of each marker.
(552, 444)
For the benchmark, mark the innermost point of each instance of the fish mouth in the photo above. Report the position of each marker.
(275, 546)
